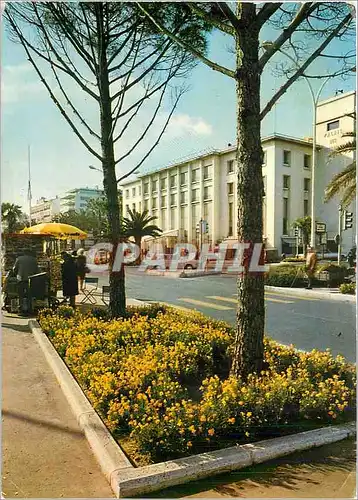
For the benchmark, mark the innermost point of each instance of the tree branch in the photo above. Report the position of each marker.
(304, 66)
(211, 19)
(155, 144)
(266, 12)
(150, 123)
(301, 15)
(208, 62)
(55, 100)
(231, 16)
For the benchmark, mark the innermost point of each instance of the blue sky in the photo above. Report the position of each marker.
(204, 118)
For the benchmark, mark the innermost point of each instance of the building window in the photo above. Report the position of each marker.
(231, 219)
(154, 203)
(230, 166)
(146, 188)
(163, 184)
(154, 186)
(305, 208)
(145, 204)
(164, 220)
(140, 206)
(265, 184)
(230, 188)
(207, 172)
(127, 209)
(195, 195)
(183, 178)
(172, 218)
(195, 175)
(306, 184)
(332, 125)
(139, 190)
(264, 161)
(133, 192)
(184, 197)
(164, 202)
(173, 199)
(206, 193)
(307, 161)
(286, 157)
(285, 216)
(172, 181)
(133, 207)
(286, 182)
(127, 193)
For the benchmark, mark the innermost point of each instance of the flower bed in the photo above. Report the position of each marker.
(348, 288)
(160, 380)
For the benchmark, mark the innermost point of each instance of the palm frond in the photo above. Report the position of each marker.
(347, 147)
(346, 179)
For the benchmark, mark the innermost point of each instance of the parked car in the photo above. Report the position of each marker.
(187, 264)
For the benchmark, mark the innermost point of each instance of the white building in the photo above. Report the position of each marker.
(45, 210)
(77, 199)
(205, 187)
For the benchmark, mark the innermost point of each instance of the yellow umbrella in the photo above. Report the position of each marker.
(61, 231)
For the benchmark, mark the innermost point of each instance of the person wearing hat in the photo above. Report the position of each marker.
(311, 263)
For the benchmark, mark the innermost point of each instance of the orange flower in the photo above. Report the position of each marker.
(211, 432)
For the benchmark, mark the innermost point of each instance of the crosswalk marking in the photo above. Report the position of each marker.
(211, 305)
(175, 306)
(292, 296)
(228, 299)
(224, 299)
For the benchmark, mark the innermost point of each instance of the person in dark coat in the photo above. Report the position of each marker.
(69, 278)
(81, 263)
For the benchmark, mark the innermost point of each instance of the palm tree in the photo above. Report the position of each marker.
(138, 225)
(11, 216)
(304, 223)
(345, 181)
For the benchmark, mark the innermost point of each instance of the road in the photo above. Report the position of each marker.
(308, 323)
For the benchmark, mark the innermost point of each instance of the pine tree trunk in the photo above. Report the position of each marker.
(248, 346)
(117, 296)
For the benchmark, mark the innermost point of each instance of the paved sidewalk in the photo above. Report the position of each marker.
(44, 452)
(321, 293)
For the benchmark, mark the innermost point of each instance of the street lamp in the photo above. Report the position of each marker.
(94, 168)
(315, 97)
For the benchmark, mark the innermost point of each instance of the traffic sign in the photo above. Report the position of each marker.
(320, 227)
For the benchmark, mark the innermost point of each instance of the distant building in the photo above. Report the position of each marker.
(205, 187)
(77, 199)
(45, 210)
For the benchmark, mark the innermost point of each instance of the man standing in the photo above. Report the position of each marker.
(25, 266)
(311, 263)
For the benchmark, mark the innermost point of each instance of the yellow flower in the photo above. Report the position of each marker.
(203, 418)
(248, 414)
(181, 431)
(241, 403)
(231, 420)
(211, 432)
(192, 429)
(189, 444)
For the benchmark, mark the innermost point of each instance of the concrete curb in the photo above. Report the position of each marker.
(109, 455)
(311, 293)
(132, 482)
(127, 481)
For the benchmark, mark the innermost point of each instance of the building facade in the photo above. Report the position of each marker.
(77, 199)
(45, 210)
(205, 187)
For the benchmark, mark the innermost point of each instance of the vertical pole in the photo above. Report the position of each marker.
(313, 222)
(339, 234)
(29, 195)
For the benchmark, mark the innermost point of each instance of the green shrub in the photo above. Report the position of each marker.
(294, 259)
(349, 288)
(286, 275)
